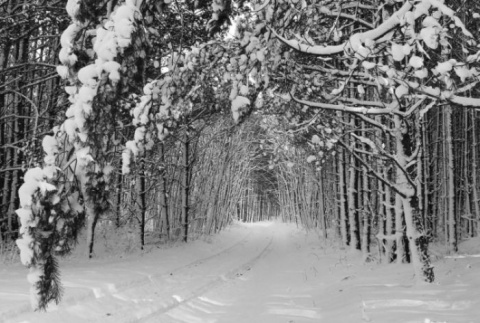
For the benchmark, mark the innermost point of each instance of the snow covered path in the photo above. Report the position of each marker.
(263, 272)
(276, 289)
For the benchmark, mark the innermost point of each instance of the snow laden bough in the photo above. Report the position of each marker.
(94, 83)
(177, 95)
(51, 211)
(47, 220)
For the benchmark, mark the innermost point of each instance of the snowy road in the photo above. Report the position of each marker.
(264, 272)
(271, 288)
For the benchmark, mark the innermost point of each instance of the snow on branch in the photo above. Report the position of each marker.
(356, 41)
(390, 109)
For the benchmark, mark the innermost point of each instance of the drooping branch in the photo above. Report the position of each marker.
(355, 41)
(391, 109)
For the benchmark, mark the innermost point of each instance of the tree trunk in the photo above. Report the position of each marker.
(389, 212)
(321, 207)
(163, 190)
(452, 222)
(366, 215)
(92, 218)
(399, 230)
(141, 201)
(476, 207)
(352, 207)
(418, 242)
(119, 196)
(185, 185)
(341, 198)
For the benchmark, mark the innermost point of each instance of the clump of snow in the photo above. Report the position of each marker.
(63, 71)
(86, 73)
(139, 134)
(429, 35)
(25, 245)
(237, 104)
(401, 90)
(416, 61)
(69, 34)
(105, 44)
(397, 52)
(141, 111)
(421, 73)
(406, 49)
(368, 65)
(66, 55)
(126, 158)
(71, 90)
(132, 146)
(123, 21)
(112, 68)
(360, 89)
(30, 185)
(34, 276)
(25, 215)
(72, 8)
(69, 126)
(464, 72)
(46, 187)
(444, 67)
(422, 8)
(83, 156)
(429, 21)
(50, 145)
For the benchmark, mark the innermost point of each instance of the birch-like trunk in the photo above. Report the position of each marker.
(163, 191)
(185, 185)
(452, 222)
(476, 207)
(321, 206)
(366, 215)
(399, 229)
(91, 217)
(418, 242)
(341, 198)
(352, 208)
(141, 201)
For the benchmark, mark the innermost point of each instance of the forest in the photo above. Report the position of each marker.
(356, 119)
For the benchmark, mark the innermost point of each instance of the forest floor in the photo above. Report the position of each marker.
(262, 272)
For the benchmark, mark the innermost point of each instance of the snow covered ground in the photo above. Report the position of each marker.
(263, 272)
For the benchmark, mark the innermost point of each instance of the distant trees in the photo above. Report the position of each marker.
(28, 95)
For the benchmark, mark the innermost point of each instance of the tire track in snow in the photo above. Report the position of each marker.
(98, 293)
(148, 278)
(197, 294)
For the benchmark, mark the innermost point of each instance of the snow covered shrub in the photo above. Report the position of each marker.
(49, 223)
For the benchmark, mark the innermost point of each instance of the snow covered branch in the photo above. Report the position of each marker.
(391, 109)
